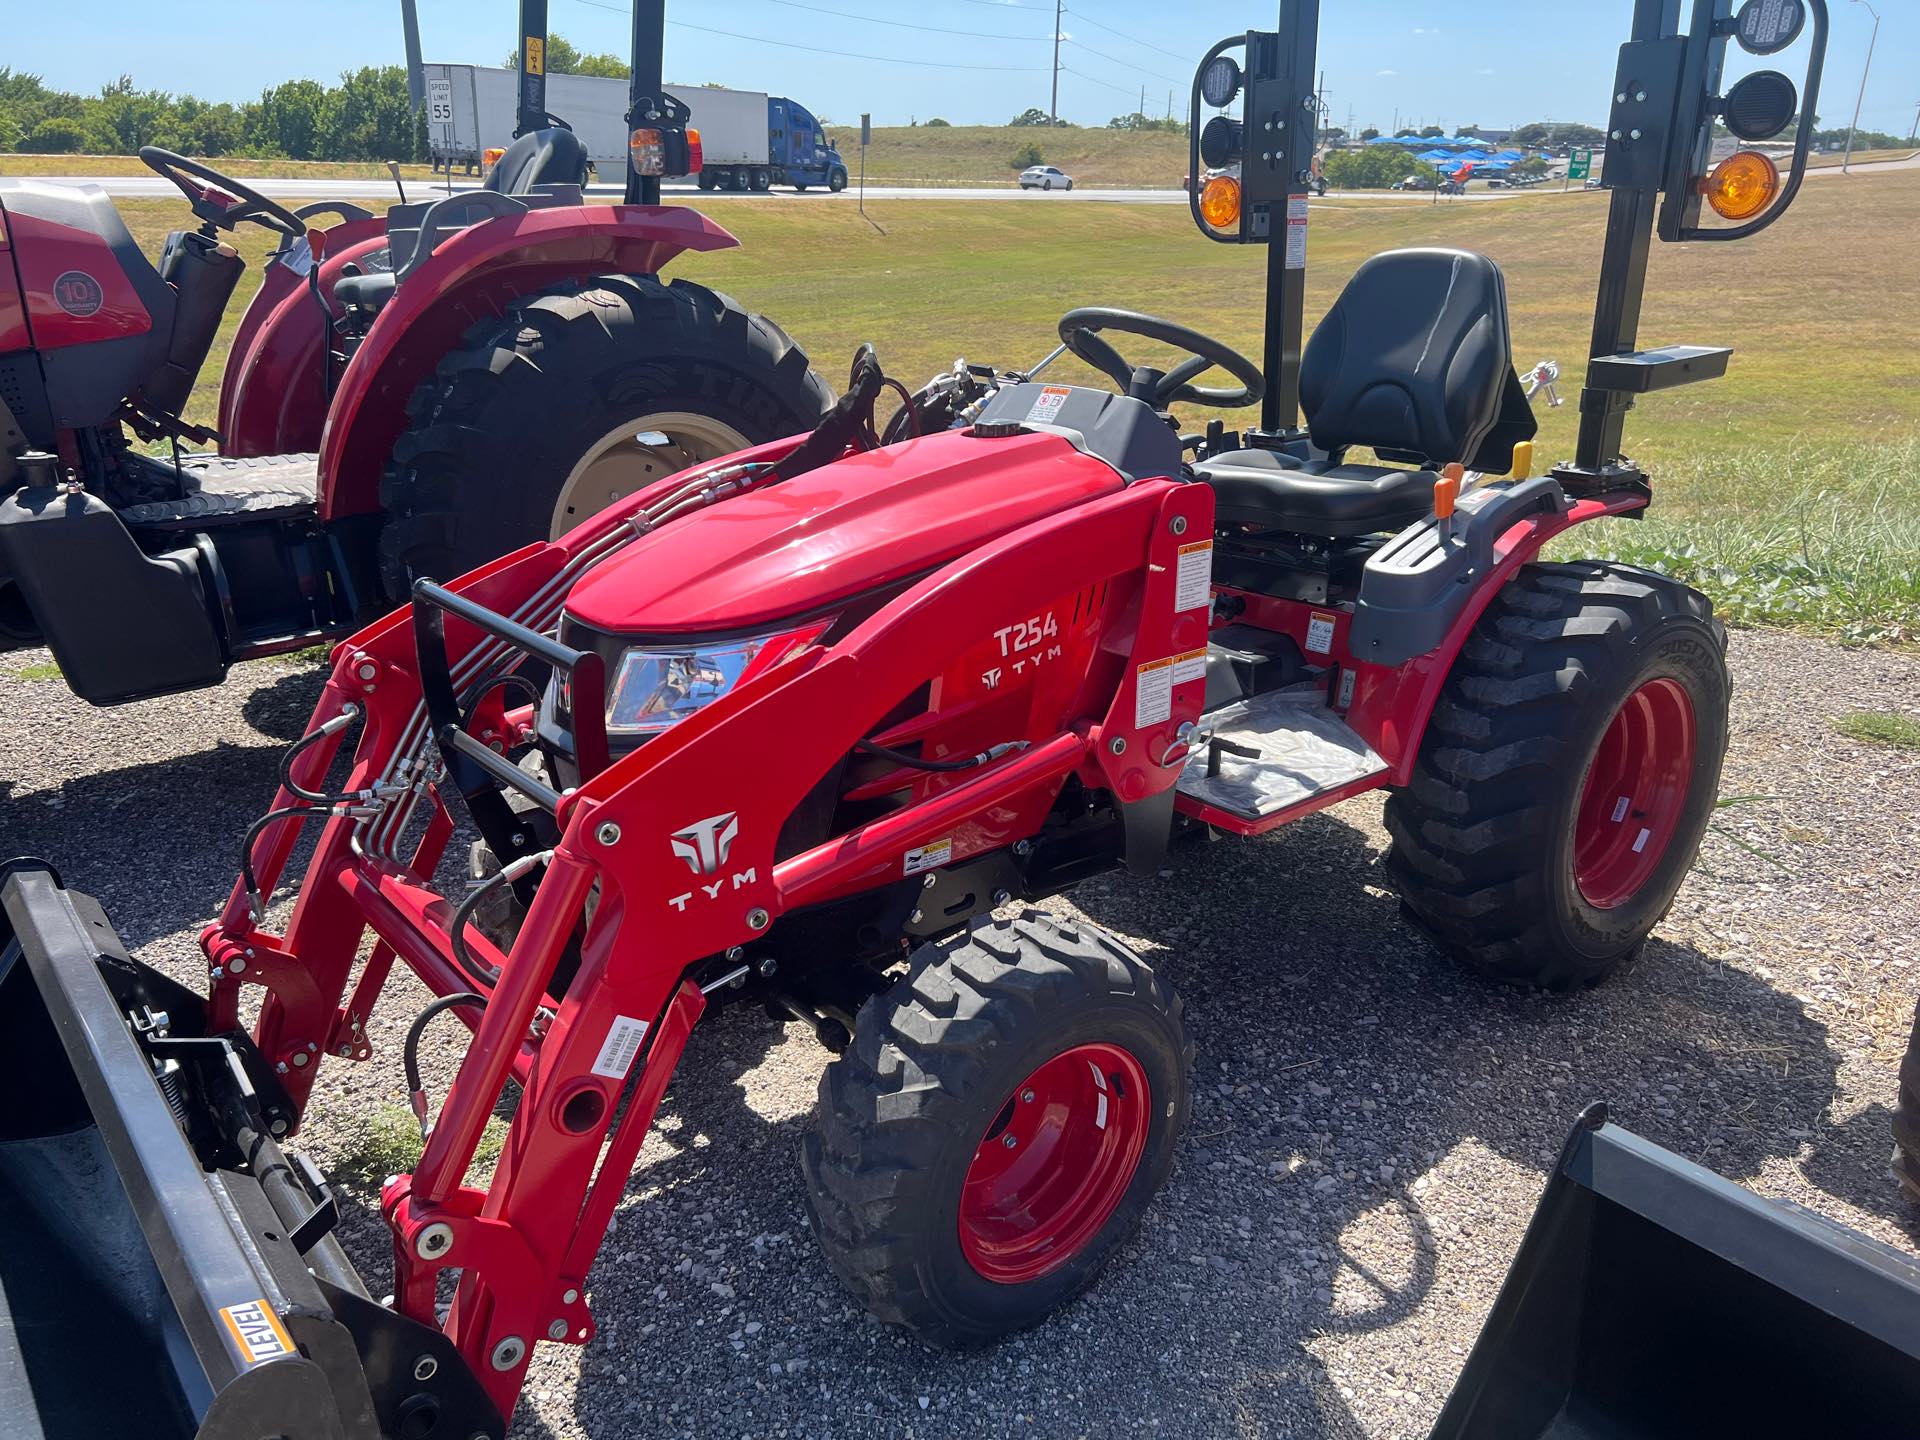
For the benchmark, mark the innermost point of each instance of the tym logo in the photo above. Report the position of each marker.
(706, 844)
(705, 847)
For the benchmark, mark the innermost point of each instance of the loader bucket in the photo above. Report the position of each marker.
(1652, 1298)
(165, 1271)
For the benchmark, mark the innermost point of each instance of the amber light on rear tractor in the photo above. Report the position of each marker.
(649, 151)
(1220, 202)
(1742, 185)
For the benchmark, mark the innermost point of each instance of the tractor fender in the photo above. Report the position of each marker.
(471, 277)
(271, 398)
(1392, 704)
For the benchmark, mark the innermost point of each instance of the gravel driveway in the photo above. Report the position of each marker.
(1370, 1129)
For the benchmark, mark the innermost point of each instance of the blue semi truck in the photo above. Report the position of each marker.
(749, 140)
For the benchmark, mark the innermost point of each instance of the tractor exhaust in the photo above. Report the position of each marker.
(156, 1233)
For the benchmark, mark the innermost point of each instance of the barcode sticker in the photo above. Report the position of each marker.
(623, 1043)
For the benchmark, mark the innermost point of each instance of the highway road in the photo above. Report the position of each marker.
(285, 188)
(149, 187)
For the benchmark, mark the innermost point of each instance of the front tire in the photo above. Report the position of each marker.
(995, 1132)
(1906, 1117)
(837, 181)
(526, 429)
(1567, 775)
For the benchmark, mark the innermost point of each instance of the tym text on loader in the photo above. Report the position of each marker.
(797, 728)
(406, 394)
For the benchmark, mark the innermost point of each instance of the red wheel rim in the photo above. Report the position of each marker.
(1054, 1164)
(1635, 794)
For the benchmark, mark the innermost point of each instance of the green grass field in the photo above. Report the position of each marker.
(236, 166)
(982, 154)
(1790, 489)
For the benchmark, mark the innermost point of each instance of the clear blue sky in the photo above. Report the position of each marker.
(1451, 62)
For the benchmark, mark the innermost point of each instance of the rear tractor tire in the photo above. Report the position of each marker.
(997, 1128)
(531, 426)
(1567, 776)
(1906, 1117)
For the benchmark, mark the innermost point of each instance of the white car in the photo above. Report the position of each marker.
(1045, 177)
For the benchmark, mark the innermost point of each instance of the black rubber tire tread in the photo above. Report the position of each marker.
(493, 434)
(1906, 1116)
(1482, 836)
(933, 1059)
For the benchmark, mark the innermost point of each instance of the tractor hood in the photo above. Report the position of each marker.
(855, 526)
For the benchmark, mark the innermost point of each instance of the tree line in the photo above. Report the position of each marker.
(367, 116)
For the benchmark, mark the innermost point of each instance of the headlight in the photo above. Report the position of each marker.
(657, 687)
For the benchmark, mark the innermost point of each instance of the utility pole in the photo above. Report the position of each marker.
(1912, 134)
(1847, 159)
(410, 34)
(1143, 102)
(1053, 110)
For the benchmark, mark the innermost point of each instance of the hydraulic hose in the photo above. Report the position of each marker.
(306, 742)
(410, 1051)
(487, 975)
(915, 762)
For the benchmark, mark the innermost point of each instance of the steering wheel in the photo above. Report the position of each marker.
(1080, 333)
(206, 188)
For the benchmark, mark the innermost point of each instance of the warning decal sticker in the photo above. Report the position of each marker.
(257, 1332)
(1047, 408)
(1190, 666)
(1193, 578)
(929, 857)
(1320, 632)
(622, 1045)
(1296, 232)
(1153, 693)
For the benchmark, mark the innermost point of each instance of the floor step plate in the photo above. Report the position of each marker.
(1302, 749)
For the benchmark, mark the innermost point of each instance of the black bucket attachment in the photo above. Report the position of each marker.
(165, 1271)
(1652, 1298)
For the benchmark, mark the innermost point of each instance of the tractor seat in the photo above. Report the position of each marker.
(1413, 362)
(540, 157)
(1277, 492)
(366, 292)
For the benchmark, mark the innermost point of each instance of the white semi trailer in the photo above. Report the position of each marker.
(748, 139)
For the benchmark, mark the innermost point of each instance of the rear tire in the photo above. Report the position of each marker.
(501, 427)
(1567, 775)
(1906, 1117)
(921, 1207)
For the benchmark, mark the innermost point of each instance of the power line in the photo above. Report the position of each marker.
(903, 24)
(1123, 64)
(820, 50)
(1102, 25)
(1123, 89)
(854, 54)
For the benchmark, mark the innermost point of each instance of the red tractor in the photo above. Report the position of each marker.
(809, 727)
(409, 394)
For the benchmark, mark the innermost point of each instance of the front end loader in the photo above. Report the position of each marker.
(813, 728)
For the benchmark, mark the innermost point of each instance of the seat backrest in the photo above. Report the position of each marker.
(539, 157)
(1413, 359)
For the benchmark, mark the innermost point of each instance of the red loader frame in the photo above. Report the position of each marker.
(525, 1242)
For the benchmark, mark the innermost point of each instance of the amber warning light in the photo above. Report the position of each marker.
(1742, 185)
(1220, 202)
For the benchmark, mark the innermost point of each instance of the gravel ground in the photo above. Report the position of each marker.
(1370, 1130)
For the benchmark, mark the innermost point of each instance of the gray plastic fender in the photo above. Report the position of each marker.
(1417, 585)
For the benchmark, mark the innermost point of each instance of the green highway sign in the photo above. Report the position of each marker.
(1579, 164)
